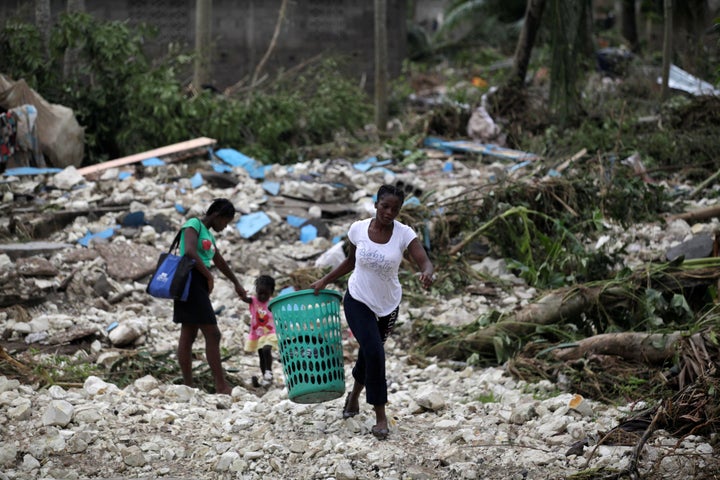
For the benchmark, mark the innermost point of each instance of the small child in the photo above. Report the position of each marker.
(262, 337)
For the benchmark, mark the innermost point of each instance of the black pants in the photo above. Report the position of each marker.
(265, 354)
(371, 333)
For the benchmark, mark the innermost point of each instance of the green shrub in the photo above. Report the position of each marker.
(128, 103)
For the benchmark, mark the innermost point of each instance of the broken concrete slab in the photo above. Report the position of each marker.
(128, 261)
(36, 267)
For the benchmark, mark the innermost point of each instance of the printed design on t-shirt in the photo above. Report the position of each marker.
(206, 245)
(374, 260)
(262, 316)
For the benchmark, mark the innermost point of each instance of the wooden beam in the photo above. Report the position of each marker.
(158, 152)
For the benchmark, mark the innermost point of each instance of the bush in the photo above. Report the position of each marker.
(128, 103)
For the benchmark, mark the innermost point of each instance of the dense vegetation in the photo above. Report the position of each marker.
(130, 103)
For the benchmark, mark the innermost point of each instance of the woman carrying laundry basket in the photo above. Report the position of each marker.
(371, 303)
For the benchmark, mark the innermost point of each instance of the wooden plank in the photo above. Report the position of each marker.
(158, 152)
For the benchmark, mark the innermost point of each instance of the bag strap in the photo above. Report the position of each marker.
(176, 242)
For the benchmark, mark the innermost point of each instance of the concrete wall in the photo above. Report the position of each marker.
(242, 30)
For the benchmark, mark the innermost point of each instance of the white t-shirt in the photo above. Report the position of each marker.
(374, 281)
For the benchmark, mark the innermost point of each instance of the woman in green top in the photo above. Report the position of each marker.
(197, 313)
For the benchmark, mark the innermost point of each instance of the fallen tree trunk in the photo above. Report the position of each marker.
(649, 348)
(556, 307)
(696, 215)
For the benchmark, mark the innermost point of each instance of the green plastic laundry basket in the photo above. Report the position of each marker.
(309, 337)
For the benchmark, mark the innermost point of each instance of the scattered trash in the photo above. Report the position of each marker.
(613, 61)
(103, 234)
(252, 223)
(60, 135)
(285, 290)
(196, 181)
(580, 405)
(482, 127)
(220, 179)
(133, 219)
(273, 188)
(295, 221)
(221, 167)
(479, 82)
(370, 163)
(234, 158)
(411, 201)
(634, 162)
(308, 233)
(23, 171)
(153, 162)
(679, 79)
(479, 148)
(332, 257)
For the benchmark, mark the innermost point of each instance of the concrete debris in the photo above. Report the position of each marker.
(445, 423)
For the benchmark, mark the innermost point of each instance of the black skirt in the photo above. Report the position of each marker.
(197, 309)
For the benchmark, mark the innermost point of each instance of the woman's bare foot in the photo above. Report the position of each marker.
(224, 389)
(380, 429)
(352, 407)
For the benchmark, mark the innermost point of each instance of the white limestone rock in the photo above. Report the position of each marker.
(58, 412)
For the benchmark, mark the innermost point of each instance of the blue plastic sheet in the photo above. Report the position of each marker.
(250, 224)
(273, 188)
(22, 171)
(285, 290)
(124, 175)
(196, 181)
(480, 148)
(308, 233)
(153, 162)
(518, 166)
(234, 158)
(295, 221)
(369, 163)
(221, 167)
(104, 234)
(411, 201)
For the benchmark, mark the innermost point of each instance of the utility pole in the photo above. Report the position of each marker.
(203, 28)
(381, 70)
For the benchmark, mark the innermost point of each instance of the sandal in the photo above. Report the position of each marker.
(347, 413)
(379, 433)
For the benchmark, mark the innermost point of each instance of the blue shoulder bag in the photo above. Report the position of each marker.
(172, 275)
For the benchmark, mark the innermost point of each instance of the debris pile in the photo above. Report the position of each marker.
(78, 246)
